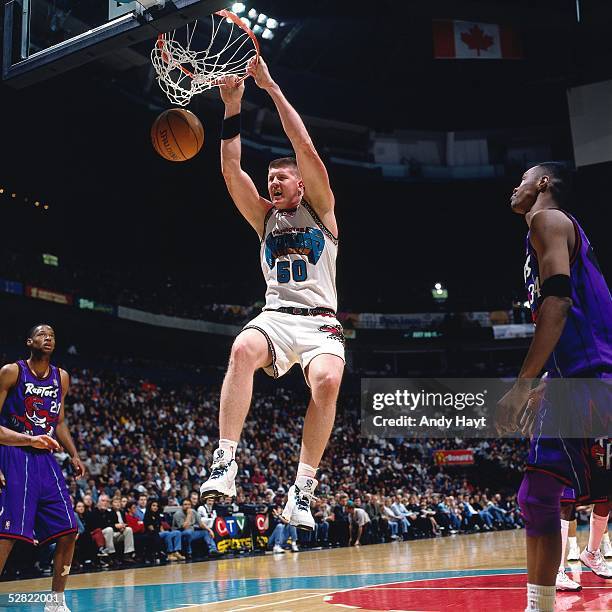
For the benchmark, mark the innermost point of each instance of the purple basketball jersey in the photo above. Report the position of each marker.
(33, 405)
(586, 342)
(35, 504)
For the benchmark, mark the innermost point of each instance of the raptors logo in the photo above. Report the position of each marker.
(334, 332)
(35, 414)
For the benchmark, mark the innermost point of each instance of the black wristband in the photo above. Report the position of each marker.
(231, 127)
(559, 285)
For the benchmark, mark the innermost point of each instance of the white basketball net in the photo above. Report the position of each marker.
(183, 72)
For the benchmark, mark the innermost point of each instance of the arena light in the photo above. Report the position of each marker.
(262, 18)
(1, 189)
(238, 7)
(252, 14)
(246, 21)
(268, 34)
(439, 293)
(257, 29)
(50, 260)
(271, 23)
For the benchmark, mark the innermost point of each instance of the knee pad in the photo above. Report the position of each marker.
(540, 501)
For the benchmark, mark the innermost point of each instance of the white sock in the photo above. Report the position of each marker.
(606, 538)
(540, 598)
(58, 597)
(228, 447)
(306, 470)
(305, 479)
(564, 530)
(598, 526)
(573, 542)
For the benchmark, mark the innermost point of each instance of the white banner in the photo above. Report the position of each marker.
(514, 330)
(421, 320)
(140, 316)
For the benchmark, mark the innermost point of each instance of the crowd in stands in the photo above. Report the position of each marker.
(147, 448)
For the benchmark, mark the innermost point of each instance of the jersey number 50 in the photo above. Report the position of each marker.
(286, 269)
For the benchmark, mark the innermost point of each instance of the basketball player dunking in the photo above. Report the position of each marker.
(35, 503)
(572, 307)
(298, 233)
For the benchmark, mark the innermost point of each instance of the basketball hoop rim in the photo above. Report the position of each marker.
(161, 41)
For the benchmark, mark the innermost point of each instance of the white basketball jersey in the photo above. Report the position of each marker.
(298, 259)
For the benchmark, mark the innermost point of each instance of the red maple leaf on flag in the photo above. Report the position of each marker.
(476, 39)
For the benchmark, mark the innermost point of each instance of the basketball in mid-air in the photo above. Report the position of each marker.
(177, 134)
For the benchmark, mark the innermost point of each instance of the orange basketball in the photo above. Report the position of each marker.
(177, 135)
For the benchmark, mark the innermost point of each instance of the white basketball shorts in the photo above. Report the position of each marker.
(297, 339)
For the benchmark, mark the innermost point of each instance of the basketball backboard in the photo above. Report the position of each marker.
(43, 38)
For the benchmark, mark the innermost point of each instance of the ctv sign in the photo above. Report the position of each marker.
(230, 526)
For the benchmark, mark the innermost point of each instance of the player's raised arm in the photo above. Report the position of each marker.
(239, 184)
(312, 169)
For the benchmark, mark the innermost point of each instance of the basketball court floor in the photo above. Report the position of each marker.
(475, 572)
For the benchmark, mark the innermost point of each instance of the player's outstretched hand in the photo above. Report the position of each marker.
(231, 89)
(510, 406)
(258, 69)
(44, 442)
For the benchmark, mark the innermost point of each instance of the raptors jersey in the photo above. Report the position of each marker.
(298, 259)
(33, 405)
(586, 342)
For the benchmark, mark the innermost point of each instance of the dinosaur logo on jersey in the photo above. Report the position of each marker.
(334, 332)
(307, 241)
(35, 414)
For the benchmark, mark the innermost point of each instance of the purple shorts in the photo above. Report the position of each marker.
(35, 504)
(581, 464)
(568, 496)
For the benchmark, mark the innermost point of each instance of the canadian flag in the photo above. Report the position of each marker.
(472, 40)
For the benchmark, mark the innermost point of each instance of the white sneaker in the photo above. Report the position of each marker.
(278, 549)
(565, 583)
(297, 508)
(222, 479)
(294, 547)
(573, 553)
(606, 548)
(596, 563)
(56, 607)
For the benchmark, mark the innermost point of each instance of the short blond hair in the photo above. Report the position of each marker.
(284, 162)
